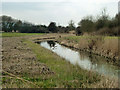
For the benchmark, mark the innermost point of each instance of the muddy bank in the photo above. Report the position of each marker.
(102, 46)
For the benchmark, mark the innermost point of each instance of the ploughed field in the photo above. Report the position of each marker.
(26, 64)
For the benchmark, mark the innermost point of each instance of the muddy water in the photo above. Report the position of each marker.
(82, 59)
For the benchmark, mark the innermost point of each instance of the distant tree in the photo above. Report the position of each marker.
(17, 25)
(62, 29)
(71, 25)
(78, 31)
(112, 23)
(7, 18)
(8, 23)
(117, 18)
(43, 29)
(86, 24)
(103, 20)
(52, 27)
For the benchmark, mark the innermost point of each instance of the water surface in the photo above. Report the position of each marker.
(82, 59)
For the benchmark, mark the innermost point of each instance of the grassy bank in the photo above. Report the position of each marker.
(18, 34)
(78, 38)
(65, 74)
(28, 65)
(106, 46)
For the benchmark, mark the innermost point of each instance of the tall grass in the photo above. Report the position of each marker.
(65, 74)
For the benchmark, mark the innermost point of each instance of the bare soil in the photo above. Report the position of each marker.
(18, 58)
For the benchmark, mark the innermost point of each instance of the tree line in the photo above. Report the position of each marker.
(102, 25)
(8, 24)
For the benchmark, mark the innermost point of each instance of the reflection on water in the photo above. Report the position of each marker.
(51, 44)
(84, 60)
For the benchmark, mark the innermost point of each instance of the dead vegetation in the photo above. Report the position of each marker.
(19, 60)
(102, 46)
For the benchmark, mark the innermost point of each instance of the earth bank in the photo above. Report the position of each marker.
(26, 64)
(102, 46)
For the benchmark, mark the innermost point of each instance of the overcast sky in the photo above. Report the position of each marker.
(59, 11)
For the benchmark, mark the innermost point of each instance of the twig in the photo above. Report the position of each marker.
(20, 78)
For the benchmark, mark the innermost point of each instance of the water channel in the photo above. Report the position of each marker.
(83, 59)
